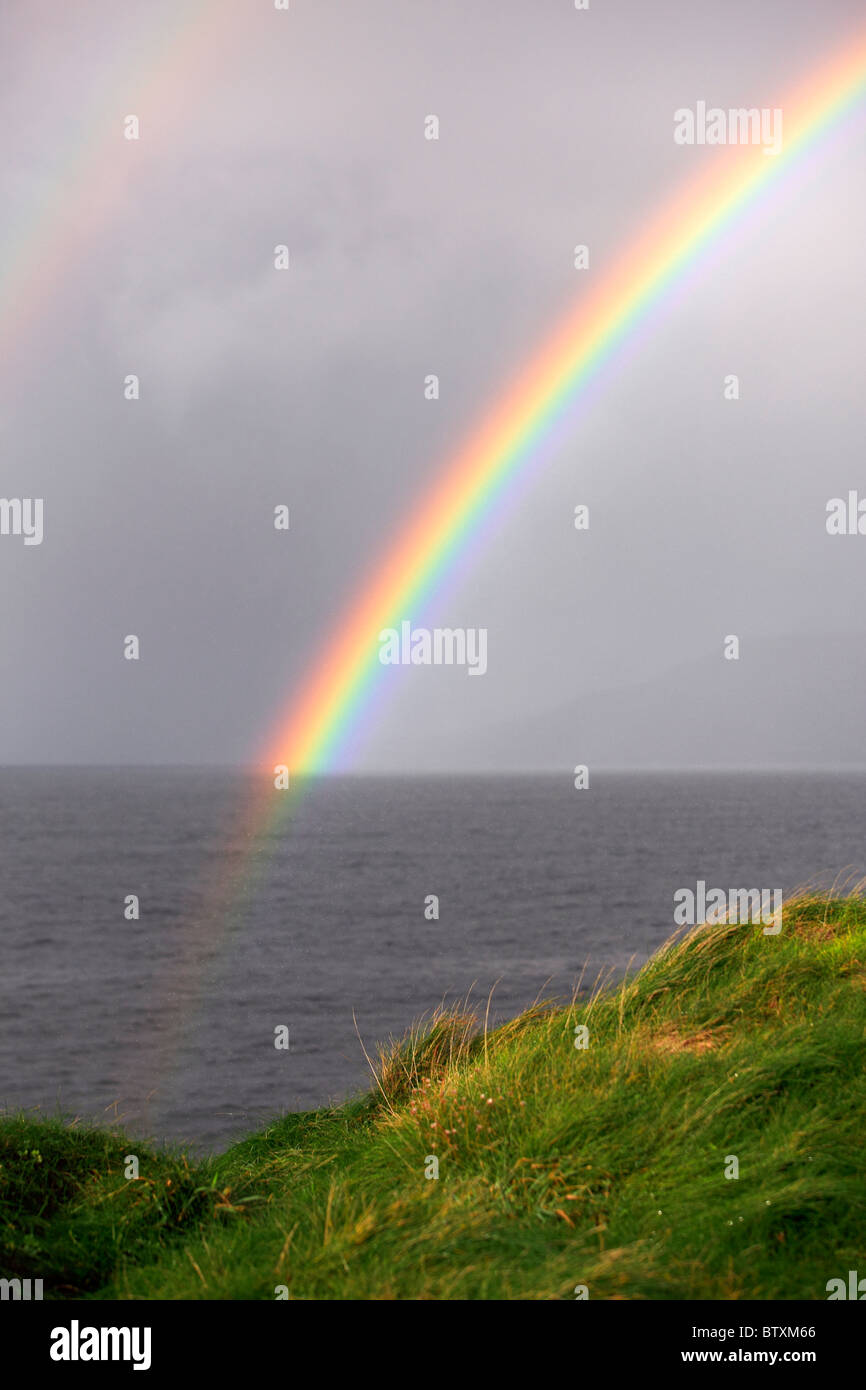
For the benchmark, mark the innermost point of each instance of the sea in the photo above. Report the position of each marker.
(182, 959)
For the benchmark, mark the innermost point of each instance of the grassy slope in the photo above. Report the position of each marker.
(558, 1166)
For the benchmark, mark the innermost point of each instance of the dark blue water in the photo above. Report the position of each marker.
(168, 1022)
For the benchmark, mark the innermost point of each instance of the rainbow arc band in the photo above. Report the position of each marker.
(310, 737)
(344, 681)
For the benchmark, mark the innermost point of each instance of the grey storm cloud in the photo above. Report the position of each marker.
(410, 257)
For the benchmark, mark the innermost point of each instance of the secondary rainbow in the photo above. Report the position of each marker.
(343, 678)
(146, 71)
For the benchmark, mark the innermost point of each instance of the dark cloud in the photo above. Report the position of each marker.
(407, 257)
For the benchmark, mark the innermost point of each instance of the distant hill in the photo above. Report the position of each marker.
(786, 702)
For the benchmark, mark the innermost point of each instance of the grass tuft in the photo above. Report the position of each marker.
(557, 1165)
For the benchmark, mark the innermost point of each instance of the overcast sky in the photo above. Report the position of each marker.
(408, 257)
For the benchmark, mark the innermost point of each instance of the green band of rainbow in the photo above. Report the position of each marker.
(321, 718)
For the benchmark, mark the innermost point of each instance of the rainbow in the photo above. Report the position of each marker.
(311, 737)
(146, 73)
(454, 516)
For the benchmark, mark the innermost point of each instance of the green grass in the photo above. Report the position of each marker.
(557, 1166)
